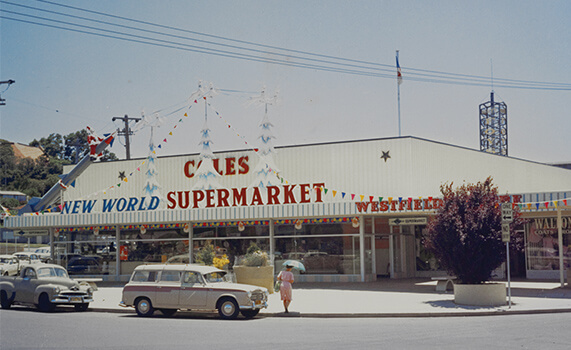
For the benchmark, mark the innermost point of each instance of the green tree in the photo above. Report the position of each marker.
(72, 147)
(206, 254)
(36, 177)
(52, 145)
(465, 235)
(7, 164)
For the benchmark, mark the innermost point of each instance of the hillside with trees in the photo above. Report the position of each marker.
(36, 177)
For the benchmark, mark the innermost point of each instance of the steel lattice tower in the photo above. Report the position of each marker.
(494, 127)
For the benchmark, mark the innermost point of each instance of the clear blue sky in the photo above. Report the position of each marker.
(66, 80)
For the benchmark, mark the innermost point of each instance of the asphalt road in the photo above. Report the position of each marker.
(23, 328)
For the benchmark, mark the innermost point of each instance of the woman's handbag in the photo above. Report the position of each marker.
(277, 286)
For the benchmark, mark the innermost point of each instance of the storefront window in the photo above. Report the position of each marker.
(542, 248)
(230, 241)
(86, 252)
(153, 246)
(425, 260)
(322, 248)
(137, 247)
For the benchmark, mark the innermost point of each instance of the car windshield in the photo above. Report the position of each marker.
(51, 272)
(4, 260)
(214, 277)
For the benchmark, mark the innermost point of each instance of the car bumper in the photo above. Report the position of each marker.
(122, 303)
(72, 299)
(254, 306)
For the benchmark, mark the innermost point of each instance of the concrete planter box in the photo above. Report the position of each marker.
(487, 294)
(262, 276)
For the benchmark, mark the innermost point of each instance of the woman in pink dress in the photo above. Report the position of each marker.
(286, 277)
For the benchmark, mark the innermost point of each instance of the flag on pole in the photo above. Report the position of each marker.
(5, 210)
(399, 73)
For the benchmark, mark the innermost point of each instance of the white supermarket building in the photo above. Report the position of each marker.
(352, 210)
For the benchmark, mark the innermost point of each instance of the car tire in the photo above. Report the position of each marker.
(144, 307)
(81, 307)
(168, 312)
(4, 300)
(250, 313)
(44, 303)
(228, 308)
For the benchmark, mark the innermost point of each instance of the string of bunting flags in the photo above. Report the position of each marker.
(333, 193)
(125, 180)
(553, 203)
(204, 224)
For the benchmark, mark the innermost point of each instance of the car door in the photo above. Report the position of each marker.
(168, 289)
(193, 293)
(27, 286)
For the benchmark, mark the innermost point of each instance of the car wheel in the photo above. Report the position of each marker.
(81, 307)
(168, 312)
(6, 273)
(4, 300)
(144, 307)
(250, 313)
(228, 308)
(44, 303)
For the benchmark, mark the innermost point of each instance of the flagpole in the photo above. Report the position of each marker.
(399, 79)
(399, 106)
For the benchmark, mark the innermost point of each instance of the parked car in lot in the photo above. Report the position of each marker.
(27, 257)
(44, 253)
(179, 259)
(85, 265)
(46, 286)
(9, 265)
(169, 288)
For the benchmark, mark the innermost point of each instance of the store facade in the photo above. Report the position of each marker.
(351, 211)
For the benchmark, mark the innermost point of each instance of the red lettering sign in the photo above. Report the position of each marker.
(229, 166)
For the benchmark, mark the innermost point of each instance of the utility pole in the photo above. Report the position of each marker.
(9, 82)
(126, 132)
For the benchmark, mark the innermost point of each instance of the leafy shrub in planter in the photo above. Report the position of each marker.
(254, 257)
(206, 254)
(465, 235)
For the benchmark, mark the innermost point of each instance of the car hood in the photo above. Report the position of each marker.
(64, 282)
(236, 286)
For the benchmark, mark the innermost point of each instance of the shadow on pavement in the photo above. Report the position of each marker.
(449, 304)
(519, 288)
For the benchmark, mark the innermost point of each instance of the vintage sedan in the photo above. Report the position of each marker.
(9, 265)
(46, 286)
(169, 288)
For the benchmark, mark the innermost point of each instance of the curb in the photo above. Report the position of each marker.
(379, 315)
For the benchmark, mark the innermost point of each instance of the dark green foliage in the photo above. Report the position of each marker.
(255, 256)
(206, 254)
(465, 235)
(253, 248)
(9, 202)
(36, 177)
(71, 148)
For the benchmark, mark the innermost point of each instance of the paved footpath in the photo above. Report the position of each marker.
(386, 298)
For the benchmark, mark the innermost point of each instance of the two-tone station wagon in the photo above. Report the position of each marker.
(169, 288)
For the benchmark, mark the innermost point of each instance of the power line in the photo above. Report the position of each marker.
(186, 47)
(281, 48)
(412, 74)
(221, 53)
(176, 36)
(391, 67)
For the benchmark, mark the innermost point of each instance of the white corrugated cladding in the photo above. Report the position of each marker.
(416, 167)
(437, 163)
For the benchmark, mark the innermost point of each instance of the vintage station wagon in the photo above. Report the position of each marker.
(169, 288)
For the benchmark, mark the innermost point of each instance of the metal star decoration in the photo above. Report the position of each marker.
(122, 175)
(385, 155)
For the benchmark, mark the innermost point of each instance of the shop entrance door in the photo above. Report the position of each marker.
(402, 257)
